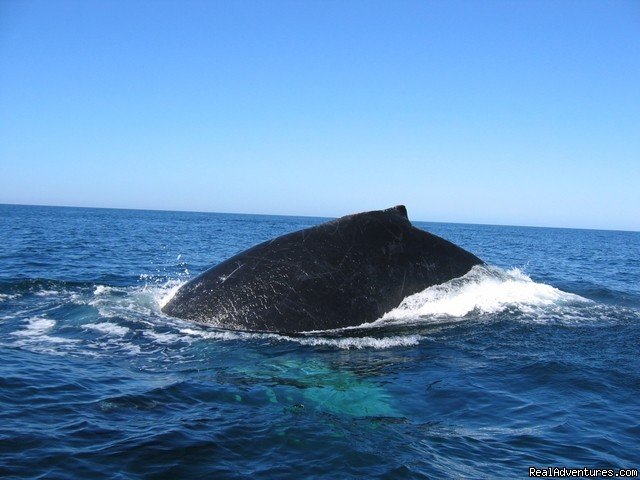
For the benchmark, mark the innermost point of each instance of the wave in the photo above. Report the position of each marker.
(484, 290)
(128, 316)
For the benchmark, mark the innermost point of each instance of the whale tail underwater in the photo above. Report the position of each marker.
(342, 273)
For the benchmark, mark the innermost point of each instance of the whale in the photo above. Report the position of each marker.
(343, 273)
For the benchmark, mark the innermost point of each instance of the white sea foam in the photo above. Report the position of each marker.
(484, 290)
(102, 290)
(108, 327)
(162, 337)
(35, 327)
(36, 337)
(8, 296)
(47, 293)
(220, 334)
(131, 349)
(360, 342)
(344, 343)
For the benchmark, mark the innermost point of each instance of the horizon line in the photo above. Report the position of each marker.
(309, 216)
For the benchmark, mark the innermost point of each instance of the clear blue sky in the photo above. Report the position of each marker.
(510, 112)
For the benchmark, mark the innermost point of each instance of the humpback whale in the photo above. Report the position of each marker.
(341, 273)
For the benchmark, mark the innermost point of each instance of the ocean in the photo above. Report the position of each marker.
(530, 361)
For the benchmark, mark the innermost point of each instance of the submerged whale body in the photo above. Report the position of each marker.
(342, 273)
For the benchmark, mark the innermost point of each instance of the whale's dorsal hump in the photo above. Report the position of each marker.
(398, 209)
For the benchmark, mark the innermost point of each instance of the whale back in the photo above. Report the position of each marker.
(345, 272)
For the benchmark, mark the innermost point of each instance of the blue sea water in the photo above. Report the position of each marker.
(532, 361)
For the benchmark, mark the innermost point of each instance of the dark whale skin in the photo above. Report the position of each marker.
(342, 273)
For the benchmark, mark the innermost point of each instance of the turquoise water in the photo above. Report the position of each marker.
(532, 361)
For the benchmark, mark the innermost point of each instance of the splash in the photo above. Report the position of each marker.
(484, 290)
(139, 301)
(167, 291)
